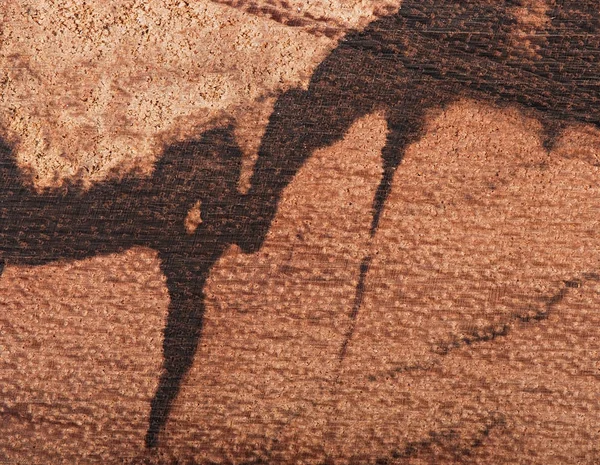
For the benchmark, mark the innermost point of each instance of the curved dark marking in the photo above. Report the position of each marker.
(503, 329)
(429, 54)
(448, 439)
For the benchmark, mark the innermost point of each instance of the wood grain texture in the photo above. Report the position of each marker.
(392, 256)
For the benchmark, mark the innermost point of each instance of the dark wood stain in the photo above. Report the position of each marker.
(428, 55)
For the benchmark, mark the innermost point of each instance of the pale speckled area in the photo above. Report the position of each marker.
(90, 88)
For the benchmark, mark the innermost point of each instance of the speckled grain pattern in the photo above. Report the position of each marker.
(477, 334)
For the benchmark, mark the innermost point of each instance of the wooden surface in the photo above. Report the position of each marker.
(478, 335)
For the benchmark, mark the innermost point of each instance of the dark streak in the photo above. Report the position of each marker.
(72, 224)
(448, 439)
(544, 314)
(491, 333)
(358, 298)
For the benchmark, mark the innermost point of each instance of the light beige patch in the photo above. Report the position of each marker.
(87, 88)
(193, 218)
(532, 18)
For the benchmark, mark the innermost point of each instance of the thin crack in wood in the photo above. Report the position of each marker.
(358, 299)
(491, 333)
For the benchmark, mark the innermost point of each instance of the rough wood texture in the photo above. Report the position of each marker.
(238, 232)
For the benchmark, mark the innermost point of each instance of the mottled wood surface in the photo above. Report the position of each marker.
(477, 337)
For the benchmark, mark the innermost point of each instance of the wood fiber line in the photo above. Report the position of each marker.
(358, 299)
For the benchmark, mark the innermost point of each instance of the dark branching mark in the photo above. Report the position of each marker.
(427, 55)
(493, 332)
(544, 314)
(483, 335)
(113, 216)
(448, 440)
